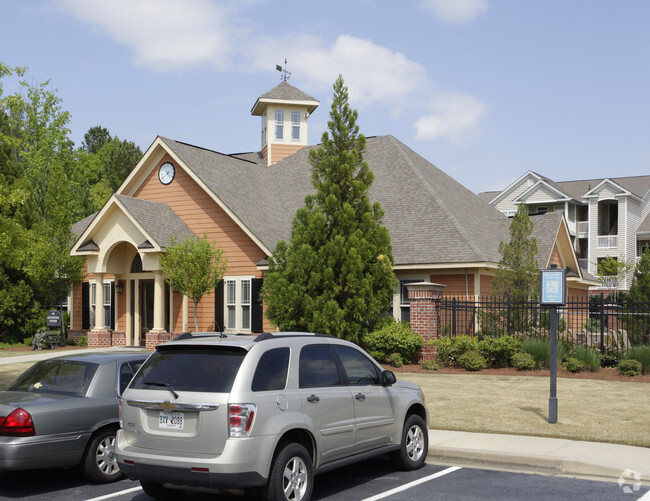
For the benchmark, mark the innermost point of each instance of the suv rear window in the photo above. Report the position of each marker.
(189, 368)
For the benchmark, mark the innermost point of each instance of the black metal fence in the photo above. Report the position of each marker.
(595, 322)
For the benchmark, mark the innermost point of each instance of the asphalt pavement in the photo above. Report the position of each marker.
(627, 465)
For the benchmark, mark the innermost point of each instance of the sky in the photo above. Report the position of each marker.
(484, 89)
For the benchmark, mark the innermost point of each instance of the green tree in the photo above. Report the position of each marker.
(335, 275)
(518, 271)
(194, 266)
(640, 287)
(117, 158)
(95, 139)
(611, 272)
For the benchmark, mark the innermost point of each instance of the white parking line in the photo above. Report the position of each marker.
(645, 497)
(412, 484)
(116, 494)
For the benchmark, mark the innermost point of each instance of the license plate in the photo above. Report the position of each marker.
(172, 420)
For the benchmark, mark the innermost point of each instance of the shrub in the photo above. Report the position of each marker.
(28, 341)
(396, 360)
(589, 357)
(629, 367)
(642, 355)
(471, 361)
(394, 337)
(430, 365)
(83, 341)
(450, 349)
(540, 350)
(523, 361)
(573, 365)
(70, 342)
(610, 358)
(498, 351)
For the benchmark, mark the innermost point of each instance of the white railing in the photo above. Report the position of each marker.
(583, 227)
(607, 241)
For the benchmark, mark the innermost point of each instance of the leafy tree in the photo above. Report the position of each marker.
(95, 139)
(194, 266)
(640, 288)
(117, 158)
(611, 271)
(518, 271)
(335, 274)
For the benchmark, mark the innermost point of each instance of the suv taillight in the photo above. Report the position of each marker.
(17, 424)
(241, 419)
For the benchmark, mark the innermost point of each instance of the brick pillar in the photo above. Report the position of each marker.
(425, 314)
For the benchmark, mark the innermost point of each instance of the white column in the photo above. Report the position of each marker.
(137, 323)
(99, 301)
(128, 331)
(186, 323)
(158, 302)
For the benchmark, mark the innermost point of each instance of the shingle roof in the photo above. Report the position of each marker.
(431, 217)
(284, 92)
(156, 218)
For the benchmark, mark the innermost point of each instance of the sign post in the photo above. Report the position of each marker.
(552, 284)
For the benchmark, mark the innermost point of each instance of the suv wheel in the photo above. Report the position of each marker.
(99, 463)
(414, 446)
(292, 475)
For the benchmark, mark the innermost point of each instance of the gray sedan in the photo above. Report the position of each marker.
(64, 412)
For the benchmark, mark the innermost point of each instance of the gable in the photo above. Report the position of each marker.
(541, 192)
(505, 200)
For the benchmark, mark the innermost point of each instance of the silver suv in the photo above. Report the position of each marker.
(244, 412)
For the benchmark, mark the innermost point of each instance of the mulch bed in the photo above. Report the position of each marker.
(604, 374)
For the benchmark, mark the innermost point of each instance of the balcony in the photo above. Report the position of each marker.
(607, 241)
(583, 229)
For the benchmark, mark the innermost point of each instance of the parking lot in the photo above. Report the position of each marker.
(368, 481)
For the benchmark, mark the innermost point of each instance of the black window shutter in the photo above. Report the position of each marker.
(257, 310)
(85, 305)
(218, 307)
(111, 309)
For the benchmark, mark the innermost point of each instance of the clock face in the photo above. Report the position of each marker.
(166, 173)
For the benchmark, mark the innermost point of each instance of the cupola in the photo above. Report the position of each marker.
(284, 111)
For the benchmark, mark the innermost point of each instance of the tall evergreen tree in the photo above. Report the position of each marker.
(335, 275)
(518, 271)
(640, 288)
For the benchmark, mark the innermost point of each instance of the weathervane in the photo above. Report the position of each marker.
(285, 74)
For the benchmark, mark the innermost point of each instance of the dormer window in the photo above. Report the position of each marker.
(279, 124)
(295, 125)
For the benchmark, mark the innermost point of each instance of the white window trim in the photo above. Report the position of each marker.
(295, 125)
(238, 303)
(107, 302)
(397, 303)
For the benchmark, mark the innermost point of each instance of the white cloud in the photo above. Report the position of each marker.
(456, 11)
(455, 118)
(163, 34)
(373, 74)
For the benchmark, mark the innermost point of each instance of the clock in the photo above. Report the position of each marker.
(166, 173)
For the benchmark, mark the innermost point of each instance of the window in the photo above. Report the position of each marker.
(231, 304)
(317, 367)
(107, 304)
(238, 297)
(271, 372)
(295, 125)
(246, 305)
(186, 368)
(279, 124)
(404, 302)
(358, 369)
(542, 209)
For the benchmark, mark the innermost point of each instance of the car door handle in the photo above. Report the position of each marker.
(360, 396)
(313, 399)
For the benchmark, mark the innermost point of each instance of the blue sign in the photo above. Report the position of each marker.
(553, 286)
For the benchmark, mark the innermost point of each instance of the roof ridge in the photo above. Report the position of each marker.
(437, 199)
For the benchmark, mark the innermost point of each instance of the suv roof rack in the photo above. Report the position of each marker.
(278, 335)
(197, 335)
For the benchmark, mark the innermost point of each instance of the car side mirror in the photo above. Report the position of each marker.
(388, 378)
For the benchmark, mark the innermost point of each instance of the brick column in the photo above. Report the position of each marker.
(425, 314)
